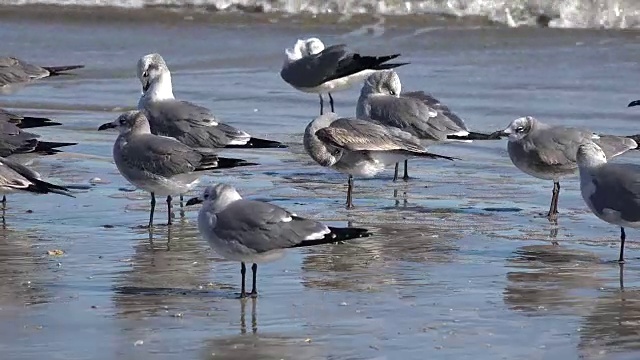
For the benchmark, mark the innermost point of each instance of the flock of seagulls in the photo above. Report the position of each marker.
(165, 146)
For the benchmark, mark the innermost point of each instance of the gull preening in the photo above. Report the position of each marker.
(257, 232)
(16, 71)
(417, 113)
(191, 124)
(157, 164)
(548, 152)
(359, 147)
(312, 68)
(611, 191)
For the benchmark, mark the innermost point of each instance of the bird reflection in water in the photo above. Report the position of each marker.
(254, 317)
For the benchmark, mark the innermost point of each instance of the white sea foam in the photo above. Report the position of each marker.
(561, 13)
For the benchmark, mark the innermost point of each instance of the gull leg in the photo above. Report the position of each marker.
(406, 171)
(169, 210)
(254, 270)
(553, 209)
(153, 208)
(395, 174)
(623, 236)
(321, 104)
(349, 191)
(243, 272)
(4, 200)
(331, 102)
(181, 206)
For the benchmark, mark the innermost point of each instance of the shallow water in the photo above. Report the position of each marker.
(460, 267)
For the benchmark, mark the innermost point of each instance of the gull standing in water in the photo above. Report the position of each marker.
(158, 164)
(611, 191)
(312, 68)
(191, 124)
(16, 71)
(549, 152)
(417, 113)
(258, 232)
(359, 147)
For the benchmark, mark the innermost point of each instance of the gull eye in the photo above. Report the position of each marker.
(145, 74)
(122, 121)
(520, 129)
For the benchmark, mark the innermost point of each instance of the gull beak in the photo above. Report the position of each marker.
(634, 103)
(500, 133)
(109, 125)
(194, 201)
(145, 86)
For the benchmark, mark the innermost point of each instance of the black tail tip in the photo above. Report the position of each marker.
(225, 163)
(340, 234)
(256, 143)
(634, 103)
(33, 122)
(58, 70)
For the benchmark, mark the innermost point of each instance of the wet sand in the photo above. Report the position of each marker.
(461, 265)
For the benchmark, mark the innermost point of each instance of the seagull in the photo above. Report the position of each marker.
(359, 147)
(417, 113)
(312, 68)
(258, 232)
(15, 71)
(159, 164)
(611, 191)
(193, 125)
(14, 141)
(549, 152)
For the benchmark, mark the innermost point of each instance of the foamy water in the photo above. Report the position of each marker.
(514, 13)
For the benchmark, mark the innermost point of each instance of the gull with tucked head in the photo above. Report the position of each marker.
(359, 147)
(158, 164)
(548, 152)
(611, 191)
(417, 113)
(191, 124)
(312, 68)
(258, 232)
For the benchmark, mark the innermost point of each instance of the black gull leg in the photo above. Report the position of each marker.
(254, 290)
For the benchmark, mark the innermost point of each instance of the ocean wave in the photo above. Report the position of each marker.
(616, 14)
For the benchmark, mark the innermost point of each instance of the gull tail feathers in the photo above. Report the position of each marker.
(42, 187)
(60, 70)
(213, 162)
(635, 138)
(34, 122)
(337, 234)
(433, 156)
(475, 136)
(49, 148)
(378, 62)
(256, 143)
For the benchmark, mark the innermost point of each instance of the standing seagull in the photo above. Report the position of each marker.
(158, 164)
(311, 68)
(417, 113)
(191, 124)
(258, 232)
(359, 147)
(611, 191)
(15, 71)
(549, 152)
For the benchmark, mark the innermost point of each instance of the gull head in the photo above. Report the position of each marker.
(129, 122)
(519, 128)
(312, 46)
(590, 155)
(153, 70)
(302, 48)
(384, 82)
(216, 197)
